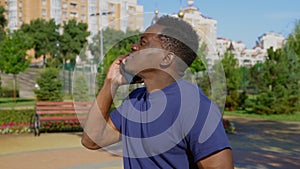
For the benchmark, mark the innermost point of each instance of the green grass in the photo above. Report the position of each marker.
(9, 102)
(281, 117)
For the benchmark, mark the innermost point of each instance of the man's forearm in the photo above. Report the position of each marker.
(96, 129)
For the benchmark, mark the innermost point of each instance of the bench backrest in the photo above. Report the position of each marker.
(63, 107)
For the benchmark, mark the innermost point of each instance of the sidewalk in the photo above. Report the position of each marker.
(258, 144)
(265, 144)
(52, 151)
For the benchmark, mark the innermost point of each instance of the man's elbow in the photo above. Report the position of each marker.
(89, 143)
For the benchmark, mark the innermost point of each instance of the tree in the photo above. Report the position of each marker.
(81, 89)
(277, 80)
(278, 83)
(233, 80)
(50, 86)
(72, 40)
(3, 23)
(13, 54)
(199, 63)
(116, 43)
(45, 36)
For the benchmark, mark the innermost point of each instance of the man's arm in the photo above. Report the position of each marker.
(220, 160)
(99, 131)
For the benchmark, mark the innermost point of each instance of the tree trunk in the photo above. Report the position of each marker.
(15, 82)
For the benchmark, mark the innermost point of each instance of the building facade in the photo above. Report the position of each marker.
(117, 14)
(271, 39)
(245, 57)
(205, 27)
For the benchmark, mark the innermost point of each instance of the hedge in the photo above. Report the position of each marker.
(19, 121)
(15, 121)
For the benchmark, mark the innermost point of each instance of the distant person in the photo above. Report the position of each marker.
(169, 123)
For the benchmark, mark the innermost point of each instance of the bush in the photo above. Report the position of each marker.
(0, 85)
(15, 121)
(20, 121)
(81, 89)
(6, 92)
(50, 86)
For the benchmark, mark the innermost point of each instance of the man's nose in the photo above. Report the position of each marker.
(134, 47)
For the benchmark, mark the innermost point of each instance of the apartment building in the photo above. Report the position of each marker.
(205, 27)
(117, 14)
(245, 57)
(271, 39)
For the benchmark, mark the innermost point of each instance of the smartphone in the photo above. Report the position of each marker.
(129, 77)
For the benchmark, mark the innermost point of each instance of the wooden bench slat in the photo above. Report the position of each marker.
(62, 108)
(62, 118)
(63, 103)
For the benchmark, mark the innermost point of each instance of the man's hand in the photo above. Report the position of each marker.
(114, 74)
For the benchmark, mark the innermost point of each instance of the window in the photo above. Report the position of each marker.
(20, 4)
(73, 14)
(83, 8)
(64, 14)
(64, 5)
(83, 0)
(83, 17)
(44, 12)
(73, 4)
(44, 2)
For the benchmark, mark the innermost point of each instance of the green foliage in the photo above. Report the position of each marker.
(199, 63)
(15, 121)
(280, 117)
(16, 116)
(0, 86)
(45, 36)
(116, 43)
(3, 23)
(50, 86)
(278, 83)
(13, 53)
(81, 89)
(233, 80)
(3, 20)
(72, 40)
(7, 92)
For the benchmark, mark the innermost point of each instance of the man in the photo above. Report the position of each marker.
(169, 123)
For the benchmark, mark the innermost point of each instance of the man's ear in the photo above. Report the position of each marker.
(167, 60)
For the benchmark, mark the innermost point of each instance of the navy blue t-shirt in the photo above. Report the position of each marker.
(170, 128)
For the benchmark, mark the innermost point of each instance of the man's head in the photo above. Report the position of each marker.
(170, 40)
(179, 37)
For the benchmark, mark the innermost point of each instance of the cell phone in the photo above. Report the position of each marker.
(132, 79)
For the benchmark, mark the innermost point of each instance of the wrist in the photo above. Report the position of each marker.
(110, 83)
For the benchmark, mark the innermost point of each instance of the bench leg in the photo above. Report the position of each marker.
(37, 125)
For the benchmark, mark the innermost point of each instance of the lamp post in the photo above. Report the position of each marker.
(101, 32)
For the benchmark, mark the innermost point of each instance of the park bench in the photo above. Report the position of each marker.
(54, 112)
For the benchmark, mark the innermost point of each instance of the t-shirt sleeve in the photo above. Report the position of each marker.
(208, 135)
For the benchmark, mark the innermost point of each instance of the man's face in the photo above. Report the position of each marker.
(146, 54)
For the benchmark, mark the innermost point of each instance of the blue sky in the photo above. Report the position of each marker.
(243, 20)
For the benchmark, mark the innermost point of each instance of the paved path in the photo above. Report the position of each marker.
(52, 151)
(258, 144)
(265, 144)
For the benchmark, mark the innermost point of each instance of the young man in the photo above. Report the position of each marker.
(169, 123)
